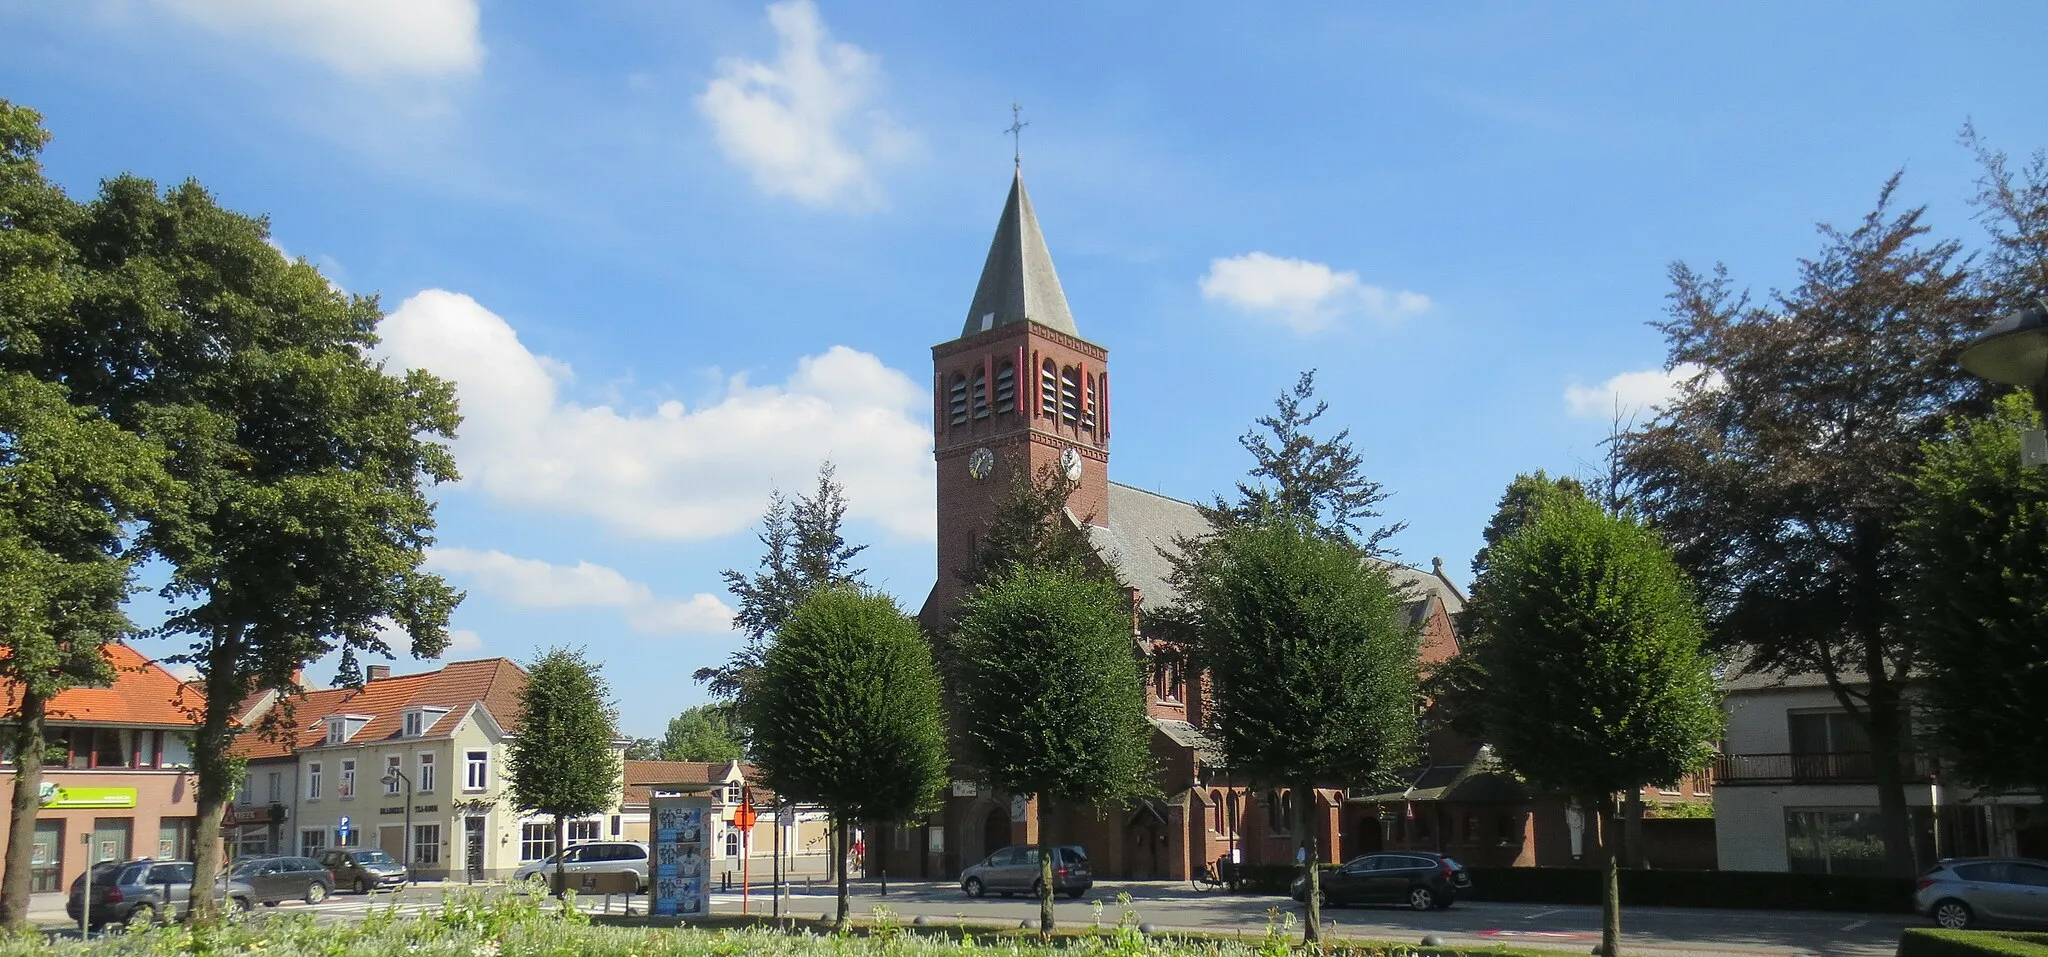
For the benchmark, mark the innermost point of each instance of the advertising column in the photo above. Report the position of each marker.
(681, 828)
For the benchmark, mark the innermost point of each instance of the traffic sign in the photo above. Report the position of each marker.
(743, 816)
(343, 829)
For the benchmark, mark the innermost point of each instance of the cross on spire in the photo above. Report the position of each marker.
(1016, 132)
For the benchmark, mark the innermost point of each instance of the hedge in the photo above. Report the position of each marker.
(1758, 890)
(1933, 942)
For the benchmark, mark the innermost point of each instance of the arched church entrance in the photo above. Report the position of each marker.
(1145, 844)
(995, 830)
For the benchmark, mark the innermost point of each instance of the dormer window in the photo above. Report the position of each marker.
(418, 721)
(342, 727)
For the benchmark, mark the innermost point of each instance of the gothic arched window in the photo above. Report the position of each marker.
(956, 400)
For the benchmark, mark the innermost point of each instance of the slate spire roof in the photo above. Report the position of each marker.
(1018, 281)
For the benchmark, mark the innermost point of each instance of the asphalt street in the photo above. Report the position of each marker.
(1693, 932)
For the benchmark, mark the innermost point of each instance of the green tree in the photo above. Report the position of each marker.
(644, 749)
(1779, 470)
(303, 518)
(847, 714)
(1312, 665)
(1031, 527)
(703, 733)
(1977, 530)
(1045, 656)
(805, 552)
(1321, 482)
(562, 763)
(1597, 677)
(1524, 499)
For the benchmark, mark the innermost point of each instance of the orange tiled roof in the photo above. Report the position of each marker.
(143, 693)
(493, 682)
(641, 776)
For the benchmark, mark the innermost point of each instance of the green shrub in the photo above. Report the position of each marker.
(1933, 942)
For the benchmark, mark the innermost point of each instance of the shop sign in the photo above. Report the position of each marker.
(59, 797)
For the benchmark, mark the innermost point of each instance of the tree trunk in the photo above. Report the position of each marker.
(26, 737)
(215, 771)
(1632, 829)
(1887, 756)
(1045, 848)
(840, 844)
(1610, 877)
(561, 877)
(1312, 882)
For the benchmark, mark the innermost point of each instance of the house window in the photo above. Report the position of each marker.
(476, 770)
(313, 781)
(582, 832)
(425, 785)
(245, 795)
(536, 841)
(415, 724)
(311, 841)
(110, 748)
(353, 837)
(980, 395)
(1833, 841)
(1702, 783)
(347, 787)
(1006, 387)
(732, 842)
(392, 765)
(956, 400)
(1049, 390)
(426, 844)
(1826, 732)
(733, 795)
(1070, 396)
(177, 750)
(337, 730)
(276, 787)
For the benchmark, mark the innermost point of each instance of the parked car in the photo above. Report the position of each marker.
(269, 880)
(596, 857)
(133, 892)
(1014, 870)
(1966, 893)
(1419, 880)
(364, 869)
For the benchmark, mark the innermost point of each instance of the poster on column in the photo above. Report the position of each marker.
(680, 833)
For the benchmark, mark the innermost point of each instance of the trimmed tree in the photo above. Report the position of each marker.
(562, 762)
(1977, 529)
(847, 714)
(1596, 678)
(1054, 707)
(702, 733)
(1313, 670)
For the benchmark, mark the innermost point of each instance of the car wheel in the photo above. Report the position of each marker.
(1421, 898)
(973, 887)
(316, 892)
(241, 905)
(362, 886)
(1323, 901)
(1953, 914)
(142, 916)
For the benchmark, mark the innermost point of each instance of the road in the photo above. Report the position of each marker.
(1681, 932)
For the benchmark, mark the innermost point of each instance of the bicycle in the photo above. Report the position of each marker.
(1221, 874)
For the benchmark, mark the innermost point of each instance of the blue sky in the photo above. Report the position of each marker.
(675, 253)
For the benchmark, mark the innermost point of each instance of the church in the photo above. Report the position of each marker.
(1018, 389)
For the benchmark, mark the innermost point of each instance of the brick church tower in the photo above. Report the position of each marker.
(1017, 391)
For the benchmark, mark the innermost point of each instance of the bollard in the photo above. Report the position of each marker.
(1147, 929)
(1432, 941)
(922, 920)
(1023, 925)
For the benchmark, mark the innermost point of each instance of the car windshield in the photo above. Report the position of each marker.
(374, 857)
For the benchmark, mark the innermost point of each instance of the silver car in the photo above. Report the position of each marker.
(1014, 870)
(584, 860)
(1966, 893)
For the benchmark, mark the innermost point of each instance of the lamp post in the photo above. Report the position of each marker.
(395, 776)
(2014, 351)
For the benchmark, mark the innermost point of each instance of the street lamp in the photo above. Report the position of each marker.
(395, 776)
(2014, 351)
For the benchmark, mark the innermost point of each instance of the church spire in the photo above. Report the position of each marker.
(1018, 281)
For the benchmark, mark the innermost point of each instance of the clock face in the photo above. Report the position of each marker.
(980, 462)
(1070, 463)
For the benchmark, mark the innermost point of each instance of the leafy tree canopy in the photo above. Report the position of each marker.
(1977, 530)
(561, 761)
(1031, 528)
(1295, 475)
(703, 733)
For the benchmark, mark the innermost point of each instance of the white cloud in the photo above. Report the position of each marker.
(1630, 394)
(1305, 296)
(363, 38)
(803, 126)
(462, 641)
(674, 472)
(530, 583)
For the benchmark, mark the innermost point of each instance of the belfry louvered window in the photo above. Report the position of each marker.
(1049, 390)
(980, 395)
(1070, 395)
(1006, 387)
(1088, 400)
(956, 400)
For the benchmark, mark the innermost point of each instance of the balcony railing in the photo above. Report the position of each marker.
(1853, 767)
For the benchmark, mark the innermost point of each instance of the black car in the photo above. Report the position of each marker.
(1416, 879)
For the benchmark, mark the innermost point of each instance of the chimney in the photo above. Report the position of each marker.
(380, 672)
